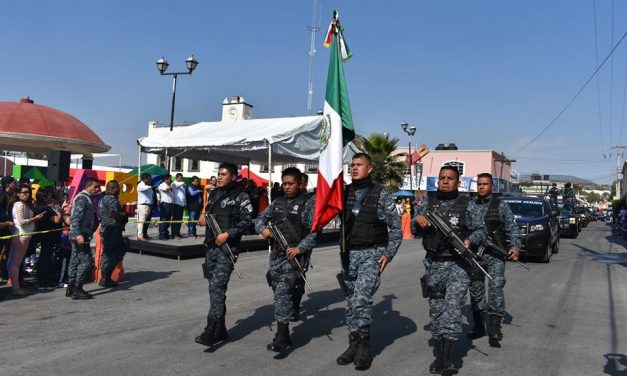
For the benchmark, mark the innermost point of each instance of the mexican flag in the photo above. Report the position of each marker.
(337, 131)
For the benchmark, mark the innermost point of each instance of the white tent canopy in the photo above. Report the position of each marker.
(294, 139)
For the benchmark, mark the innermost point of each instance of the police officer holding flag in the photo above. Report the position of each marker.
(372, 230)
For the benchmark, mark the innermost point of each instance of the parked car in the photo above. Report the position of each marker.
(538, 222)
(569, 221)
(584, 215)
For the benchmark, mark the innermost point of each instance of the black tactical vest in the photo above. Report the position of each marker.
(367, 230)
(287, 217)
(435, 243)
(493, 223)
(224, 206)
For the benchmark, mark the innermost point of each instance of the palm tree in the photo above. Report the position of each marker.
(387, 169)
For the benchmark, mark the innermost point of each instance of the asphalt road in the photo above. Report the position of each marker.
(565, 318)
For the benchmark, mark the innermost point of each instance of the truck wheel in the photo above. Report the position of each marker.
(556, 245)
(546, 257)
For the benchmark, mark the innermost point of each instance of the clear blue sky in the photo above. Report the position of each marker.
(482, 74)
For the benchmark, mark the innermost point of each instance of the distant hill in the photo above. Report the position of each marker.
(560, 179)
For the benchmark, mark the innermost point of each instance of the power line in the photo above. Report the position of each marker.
(574, 97)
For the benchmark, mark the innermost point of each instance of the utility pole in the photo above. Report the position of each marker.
(619, 158)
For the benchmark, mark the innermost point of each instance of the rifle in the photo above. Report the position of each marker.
(215, 228)
(277, 235)
(497, 247)
(455, 241)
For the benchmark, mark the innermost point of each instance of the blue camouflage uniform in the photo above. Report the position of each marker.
(375, 232)
(448, 275)
(83, 221)
(233, 211)
(282, 275)
(492, 261)
(111, 232)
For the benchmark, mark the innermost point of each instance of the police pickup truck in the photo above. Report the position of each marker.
(538, 223)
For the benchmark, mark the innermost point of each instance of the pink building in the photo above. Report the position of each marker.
(470, 163)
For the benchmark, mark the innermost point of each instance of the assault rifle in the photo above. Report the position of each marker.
(497, 247)
(455, 241)
(279, 238)
(215, 229)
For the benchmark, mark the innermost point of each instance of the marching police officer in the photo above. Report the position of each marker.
(82, 227)
(299, 285)
(501, 228)
(447, 274)
(233, 212)
(372, 230)
(112, 222)
(292, 214)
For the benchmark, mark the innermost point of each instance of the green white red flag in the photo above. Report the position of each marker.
(337, 131)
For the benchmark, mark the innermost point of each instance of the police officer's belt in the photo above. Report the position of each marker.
(442, 258)
(362, 247)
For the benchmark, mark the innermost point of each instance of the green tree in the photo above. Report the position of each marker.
(388, 170)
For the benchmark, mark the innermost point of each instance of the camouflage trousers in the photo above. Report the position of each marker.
(363, 280)
(112, 249)
(283, 278)
(81, 263)
(220, 269)
(448, 281)
(495, 266)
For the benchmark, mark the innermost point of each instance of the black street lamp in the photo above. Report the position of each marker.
(162, 66)
(410, 132)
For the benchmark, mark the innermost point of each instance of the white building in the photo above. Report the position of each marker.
(233, 109)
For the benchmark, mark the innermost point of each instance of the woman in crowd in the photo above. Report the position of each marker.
(45, 204)
(24, 219)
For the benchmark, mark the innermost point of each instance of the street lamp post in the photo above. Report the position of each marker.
(410, 132)
(162, 66)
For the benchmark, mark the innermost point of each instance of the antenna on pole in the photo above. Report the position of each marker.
(312, 52)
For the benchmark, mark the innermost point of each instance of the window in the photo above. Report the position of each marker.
(193, 165)
(177, 164)
(161, 161)
(457, 164)
(311, 167)
(288, 165)
(264, 168)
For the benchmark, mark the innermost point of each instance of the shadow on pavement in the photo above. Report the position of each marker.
(389, 325)
(318, 318)
(131, 279)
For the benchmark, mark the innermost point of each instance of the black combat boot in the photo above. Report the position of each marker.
(106, 281)
(79, 294)
(363, 358)
(69, 289)
(296, 299)
(205, 337)
(348, 356)
(281, 341)
(446, 366)
(494, 332)
(219, 332)
(437, 352)
(479, 330)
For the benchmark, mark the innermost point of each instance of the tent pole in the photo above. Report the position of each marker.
(269, 172)
(248, 170)
(139, 163)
